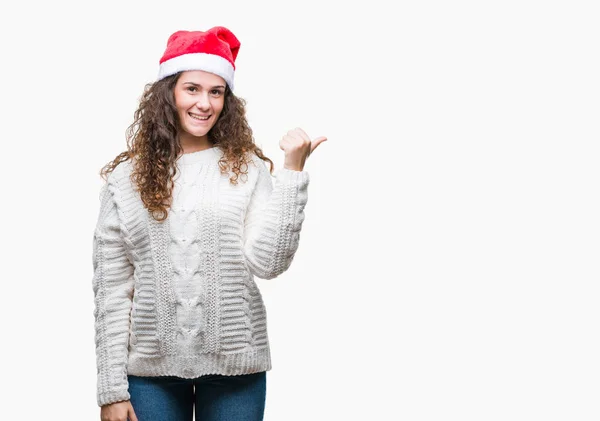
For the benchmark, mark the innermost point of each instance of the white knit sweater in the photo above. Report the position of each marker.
(178, 297)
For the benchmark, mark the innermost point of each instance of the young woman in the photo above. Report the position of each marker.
(189, 215)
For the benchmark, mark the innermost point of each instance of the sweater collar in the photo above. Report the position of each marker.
(205, 155)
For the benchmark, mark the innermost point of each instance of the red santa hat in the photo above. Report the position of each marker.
(213, 51)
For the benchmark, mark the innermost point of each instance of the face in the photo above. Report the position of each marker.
(199, 99)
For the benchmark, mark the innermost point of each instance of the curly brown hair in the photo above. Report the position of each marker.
(153, 140)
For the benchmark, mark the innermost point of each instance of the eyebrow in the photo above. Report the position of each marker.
(197, 84)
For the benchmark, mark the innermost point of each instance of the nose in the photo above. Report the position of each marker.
(203, 102)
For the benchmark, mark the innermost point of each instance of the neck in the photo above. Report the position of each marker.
(191, 143)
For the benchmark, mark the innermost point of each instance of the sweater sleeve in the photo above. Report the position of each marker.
(113, 291)
(274, 219)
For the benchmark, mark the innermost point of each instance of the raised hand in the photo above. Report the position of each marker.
(297, 146)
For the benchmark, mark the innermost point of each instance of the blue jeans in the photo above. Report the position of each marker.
(212, 397)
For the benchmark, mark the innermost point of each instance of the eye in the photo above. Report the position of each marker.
(192, 88)
(216, 92)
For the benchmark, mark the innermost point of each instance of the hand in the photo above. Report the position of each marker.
(297, 147)
(118, 411)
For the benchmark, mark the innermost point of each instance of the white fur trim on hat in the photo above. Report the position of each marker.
(198, 61)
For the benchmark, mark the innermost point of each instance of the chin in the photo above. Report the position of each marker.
(198, 133)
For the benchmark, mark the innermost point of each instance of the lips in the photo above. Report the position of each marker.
(198, 117)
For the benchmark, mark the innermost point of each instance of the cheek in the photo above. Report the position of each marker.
(178, 103)
(218, 106)
(183, 101)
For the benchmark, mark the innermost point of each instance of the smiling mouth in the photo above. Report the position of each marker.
(199, 117)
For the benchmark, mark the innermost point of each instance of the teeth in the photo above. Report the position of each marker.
(197, 117)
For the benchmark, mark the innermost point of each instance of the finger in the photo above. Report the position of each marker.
(302, 133)
(296, 136)
(132, 416)
(284, 143)
(317, 142)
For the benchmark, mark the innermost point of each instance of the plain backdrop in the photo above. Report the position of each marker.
(448, 262)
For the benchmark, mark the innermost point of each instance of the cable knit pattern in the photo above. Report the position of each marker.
(112, 283)
(178, 297)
